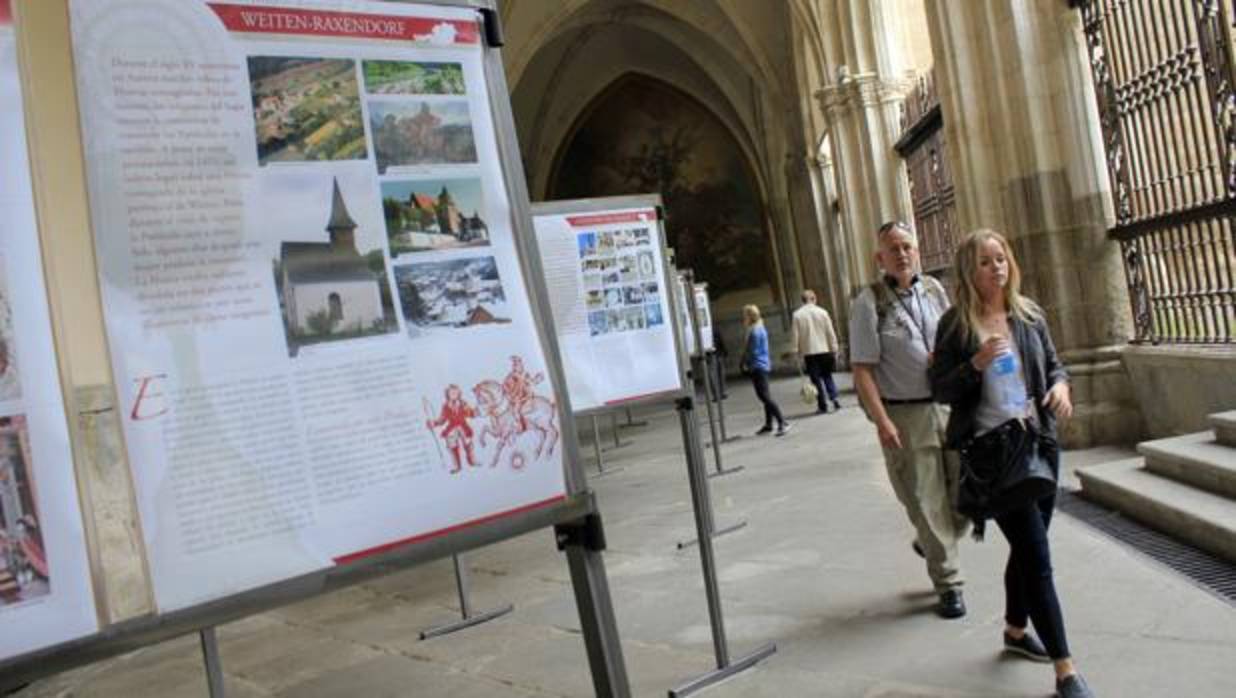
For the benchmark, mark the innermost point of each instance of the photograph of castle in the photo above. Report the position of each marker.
(24, 573)
(418, 132)
(306, 109)
(455, 293)
(328, 290)
(433, 215)
(413, 78)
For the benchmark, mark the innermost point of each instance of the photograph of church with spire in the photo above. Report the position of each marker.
(328, 290)
(434, 214)
(306, 109)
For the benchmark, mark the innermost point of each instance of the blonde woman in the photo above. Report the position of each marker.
(756, 363)
(995, 363)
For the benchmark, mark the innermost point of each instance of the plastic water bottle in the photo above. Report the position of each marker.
(1008, 384)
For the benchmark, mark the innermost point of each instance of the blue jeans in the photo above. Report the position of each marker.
(1029, 590)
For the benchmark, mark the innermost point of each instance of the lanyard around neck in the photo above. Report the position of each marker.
(920, 322)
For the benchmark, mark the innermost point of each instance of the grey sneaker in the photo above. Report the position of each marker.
(1027, 646)
(1073, 686)
(783, 429)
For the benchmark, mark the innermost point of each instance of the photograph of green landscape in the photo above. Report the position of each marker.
(407, 78)
(306, 109)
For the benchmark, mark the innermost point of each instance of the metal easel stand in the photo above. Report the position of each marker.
(702, 364)
(463, 584)
(718, 395)
(690, 446)
(596, 449)
(629, 423)
(583, 540)
(700, 499)
(210, 657)
(613, 427)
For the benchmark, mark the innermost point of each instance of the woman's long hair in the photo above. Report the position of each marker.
(969, 303)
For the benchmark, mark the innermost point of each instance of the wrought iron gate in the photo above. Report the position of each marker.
(922, 146)
(1166, 88)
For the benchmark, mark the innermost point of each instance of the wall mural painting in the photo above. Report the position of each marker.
(643, 136)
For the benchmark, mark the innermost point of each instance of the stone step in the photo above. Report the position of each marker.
(1194, 459)
(1224, 424)
(1196, 517)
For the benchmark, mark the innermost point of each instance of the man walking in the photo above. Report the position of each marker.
(892, 336)
(813, 337)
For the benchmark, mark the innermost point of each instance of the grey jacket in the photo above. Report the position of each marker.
(955, 382)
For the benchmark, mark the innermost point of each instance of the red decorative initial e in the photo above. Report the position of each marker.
(148, 392)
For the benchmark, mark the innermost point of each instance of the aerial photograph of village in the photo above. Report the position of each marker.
(306, 109)
(455, 293)
(433, 215)
(419, 132)
(409, 78)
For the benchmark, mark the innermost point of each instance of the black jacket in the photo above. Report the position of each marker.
(955, 382)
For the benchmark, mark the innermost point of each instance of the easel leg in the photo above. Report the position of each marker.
(214, 667)
(583, 541)
(463, 584)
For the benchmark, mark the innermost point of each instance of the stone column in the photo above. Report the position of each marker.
(862, 110)
(1024, 145)
(835, 245)
(863, 116)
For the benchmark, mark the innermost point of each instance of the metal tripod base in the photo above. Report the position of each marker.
(726, 471)
(723, 673)
(468, 622)
(717, 534)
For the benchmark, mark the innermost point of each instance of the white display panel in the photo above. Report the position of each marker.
(45, 589)
(320, 331)
(606, 277)
(703, 316)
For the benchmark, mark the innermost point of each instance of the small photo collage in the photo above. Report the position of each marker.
(619, 272)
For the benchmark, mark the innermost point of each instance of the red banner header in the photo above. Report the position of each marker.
(610, 218)
(279, 20)
(6, 12)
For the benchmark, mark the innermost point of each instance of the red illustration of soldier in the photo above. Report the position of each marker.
(515, 419)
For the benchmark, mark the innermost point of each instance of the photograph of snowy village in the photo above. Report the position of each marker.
(433, 215)
(454, 293)
(306, 109)
(413, 78)
(420, 132)
(618, 273)
(328, 289)
(23, 561)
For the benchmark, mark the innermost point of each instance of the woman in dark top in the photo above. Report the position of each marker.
(994, 362)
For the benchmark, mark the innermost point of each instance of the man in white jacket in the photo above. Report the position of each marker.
(814, 339)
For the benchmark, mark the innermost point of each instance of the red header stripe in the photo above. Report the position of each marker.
(6, 12)
(250, 19)
(360, 554)
(608, 218)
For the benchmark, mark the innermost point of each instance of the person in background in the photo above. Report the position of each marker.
(813, 337)
(995, 362)
(756, 363)
(892, 330)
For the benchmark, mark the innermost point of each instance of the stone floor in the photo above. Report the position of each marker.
(823, 569)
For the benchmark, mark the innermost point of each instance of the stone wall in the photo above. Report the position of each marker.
(1177, 387)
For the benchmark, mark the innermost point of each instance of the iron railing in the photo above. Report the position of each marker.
(1164, 81)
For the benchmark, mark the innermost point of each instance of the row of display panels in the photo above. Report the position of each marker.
(324, 337)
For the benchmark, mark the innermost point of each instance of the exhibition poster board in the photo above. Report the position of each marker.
(46, 594)
(608, 283)
(703, 315)
(322, 338)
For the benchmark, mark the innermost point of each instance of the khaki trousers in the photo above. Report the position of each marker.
(924, 477)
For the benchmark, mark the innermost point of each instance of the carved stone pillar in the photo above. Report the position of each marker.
(1027, 159)
(863, 116)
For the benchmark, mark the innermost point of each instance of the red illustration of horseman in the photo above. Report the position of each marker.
(518, 387)
(456, 431)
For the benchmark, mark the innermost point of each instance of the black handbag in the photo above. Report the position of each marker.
(1004, 469)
